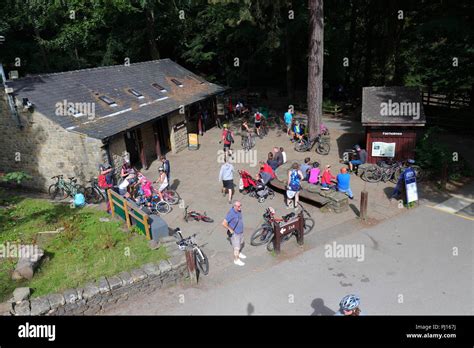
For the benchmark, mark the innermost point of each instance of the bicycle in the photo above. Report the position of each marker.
(94, 194)
(196, 216)
(64, 189)
(202, 262)
(248, 141)
(305, 144)
(155, 205)
(389, 171)
(265, 233)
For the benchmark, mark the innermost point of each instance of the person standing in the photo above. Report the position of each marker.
(294, 185)
(343, 183)
(228, 138)
(288, 120)
(166, 167)
(235, 227)
(226, 174)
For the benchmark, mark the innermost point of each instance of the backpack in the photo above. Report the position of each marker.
(102, 182)
(228, 137)
(294, 181)
(79, 200)
(258, 117)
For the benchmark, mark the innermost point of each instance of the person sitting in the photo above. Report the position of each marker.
(126, 169)
(277, 156)
(265, 167)
(314, 174)
(271, 161)
(326, 178)
(298, 131)
(361, 158)
(283, 154)
(305, 168)
(264, 177)
(343, 183)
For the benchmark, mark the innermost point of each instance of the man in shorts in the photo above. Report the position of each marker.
(235, 227)
(226, 174)
(288, 120)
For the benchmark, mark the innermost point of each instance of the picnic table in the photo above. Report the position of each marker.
(335, 201)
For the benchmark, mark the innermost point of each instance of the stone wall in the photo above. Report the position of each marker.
(96, 297)
(117, 150)
(44, 149)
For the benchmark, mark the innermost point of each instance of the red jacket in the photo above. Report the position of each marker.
(326, 177)
(268, 169)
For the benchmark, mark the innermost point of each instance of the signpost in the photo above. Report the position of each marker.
(411, 190)
(295, 225)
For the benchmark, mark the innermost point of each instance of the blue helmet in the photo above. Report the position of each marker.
(349, 302)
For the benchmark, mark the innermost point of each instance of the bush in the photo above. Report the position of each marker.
(17, 177)
(432, 155)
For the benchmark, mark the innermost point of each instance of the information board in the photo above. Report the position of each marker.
(380, 149)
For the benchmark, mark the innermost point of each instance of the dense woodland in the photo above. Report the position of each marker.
(386, 42)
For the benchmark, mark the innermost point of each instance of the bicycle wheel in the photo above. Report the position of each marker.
(372, 175)
(308, 225)
(92, 196)
(396, 175)
(172, 197)
(202, 262)
(162, 207)
(178, 236)
(207, 219)
(55, 192)
(261, 235)
(301, 146)
(323, 148)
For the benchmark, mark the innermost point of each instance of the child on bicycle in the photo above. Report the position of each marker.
(163, 180)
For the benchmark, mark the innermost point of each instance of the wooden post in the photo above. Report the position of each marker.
(147, 226)
(127, 216)
(111, 202)
(300, 235)
(277, 238)
(190, 261)
(364, 198)
(444, 175)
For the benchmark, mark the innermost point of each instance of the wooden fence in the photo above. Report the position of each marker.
(131, 213)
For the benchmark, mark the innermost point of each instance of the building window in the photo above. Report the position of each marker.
(159, 87)
(108, 101)
(136, 93)
(177, 83)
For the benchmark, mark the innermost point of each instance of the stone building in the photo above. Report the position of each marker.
(70, 122)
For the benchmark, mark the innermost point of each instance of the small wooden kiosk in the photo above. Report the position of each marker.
(392, 117)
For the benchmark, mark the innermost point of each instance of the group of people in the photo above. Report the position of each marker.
(133, 184)
(276, 157)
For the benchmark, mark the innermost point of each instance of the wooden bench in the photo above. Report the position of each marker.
(336, 201)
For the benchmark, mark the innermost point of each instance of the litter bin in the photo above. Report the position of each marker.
(158, 227)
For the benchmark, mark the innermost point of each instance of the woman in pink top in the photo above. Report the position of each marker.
(314, 174)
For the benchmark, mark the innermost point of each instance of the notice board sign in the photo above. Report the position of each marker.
(180, 136)
(410, 185)
(193, 141)
(380, 149)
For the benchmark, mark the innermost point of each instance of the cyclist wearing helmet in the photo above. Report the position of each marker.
(361, 158)
(163, 180)
(349, 306)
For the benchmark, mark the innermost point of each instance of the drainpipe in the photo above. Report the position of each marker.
(10, 99)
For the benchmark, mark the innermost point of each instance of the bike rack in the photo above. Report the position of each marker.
(289, 227)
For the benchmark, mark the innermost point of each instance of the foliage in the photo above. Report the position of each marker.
(85, 250)
(17, 177)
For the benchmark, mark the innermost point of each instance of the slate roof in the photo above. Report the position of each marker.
(85, 86)
(372, 106)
